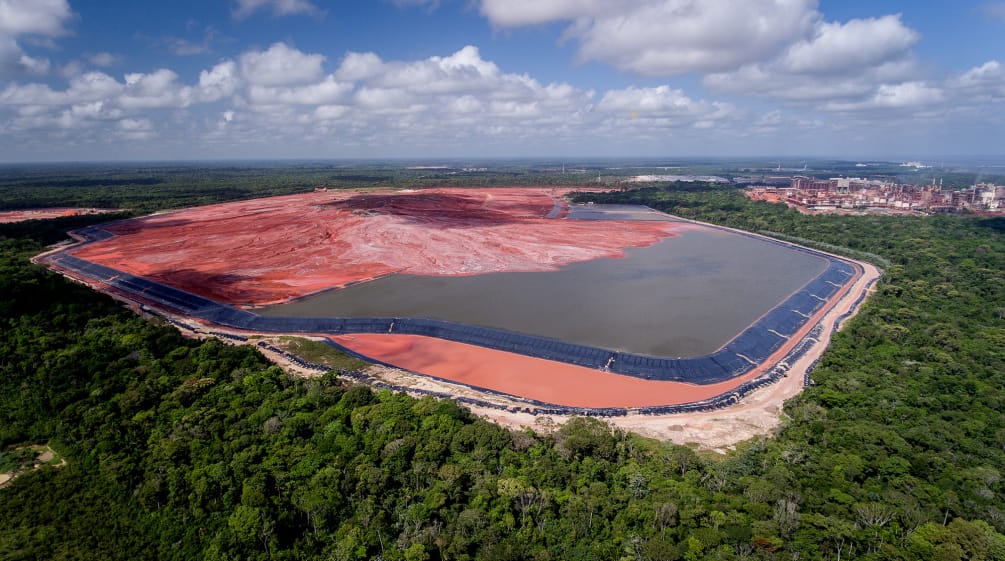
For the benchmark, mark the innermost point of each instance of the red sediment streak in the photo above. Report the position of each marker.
(272, 250)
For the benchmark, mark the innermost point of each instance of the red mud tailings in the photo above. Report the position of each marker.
(533, 378)
(271, 250)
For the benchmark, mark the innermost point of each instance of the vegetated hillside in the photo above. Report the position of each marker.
(187, 450)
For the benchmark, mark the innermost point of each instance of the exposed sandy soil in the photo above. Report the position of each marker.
(44, 454)
(266, 251)
(7, 217)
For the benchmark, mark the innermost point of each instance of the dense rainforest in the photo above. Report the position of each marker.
(180, 449)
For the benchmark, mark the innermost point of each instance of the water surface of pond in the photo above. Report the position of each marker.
(685, 296)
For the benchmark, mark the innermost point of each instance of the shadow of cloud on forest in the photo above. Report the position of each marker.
(997, 224)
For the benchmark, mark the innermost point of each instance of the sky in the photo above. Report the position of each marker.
(101, 80)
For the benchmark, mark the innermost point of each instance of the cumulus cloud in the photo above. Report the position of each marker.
(977, 94)
(92, 98)
(462, 71)
(651, 112)
(660, 101)
(88, 87)
(837, 48)
(984, 83)
(513, 13)
(281, 65)
(906, 95)
(43, 18)
(359, 66)
(781, 50)
(245, 8)
(157, 89)
(667, 37)
(458, 99)
(135, 129)
(325, 92)
(219, 82)
(860, 63)
(32, 65)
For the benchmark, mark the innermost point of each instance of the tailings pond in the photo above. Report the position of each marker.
(684, 296)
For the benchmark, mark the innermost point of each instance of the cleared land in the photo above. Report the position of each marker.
(264, 251)
(19, 461)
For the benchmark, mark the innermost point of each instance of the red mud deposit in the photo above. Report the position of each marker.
(267, 251)
(527, 377)
(11, 216)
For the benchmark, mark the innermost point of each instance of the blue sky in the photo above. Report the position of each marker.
(248, 79)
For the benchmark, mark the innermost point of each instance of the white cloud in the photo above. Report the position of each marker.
(840, 66)
(32, 65)
(331, 112)
(219, 82)
(984, 83)
(281, 65)
(327, 91)
(667, 37)
(157, 89)
(44, 18)
(849, 47)
(245, 8)
(41, 17)
(663, 107)
(135, 129)
(514, 13)
(463, 70)
(384, 100)
(781, 50)
(91, 86)
(907, 95)
(462, 102)
(359, 66)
